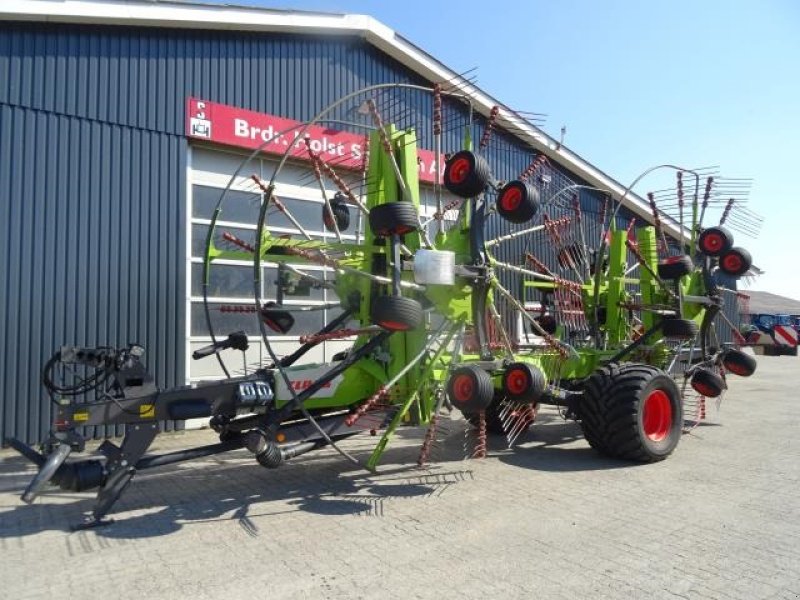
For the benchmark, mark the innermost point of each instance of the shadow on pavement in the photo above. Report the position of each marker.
(233, 487)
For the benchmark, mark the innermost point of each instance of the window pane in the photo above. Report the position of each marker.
(242, 207)
(226, 319)
(308, 214)
(297, 288)
(224, 280)
(199, 233)
(224, 322)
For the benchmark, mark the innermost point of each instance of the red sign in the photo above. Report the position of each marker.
(247, 129)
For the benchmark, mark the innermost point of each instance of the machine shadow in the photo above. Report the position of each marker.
(231, 488)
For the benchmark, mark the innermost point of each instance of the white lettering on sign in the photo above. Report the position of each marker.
(243, 129)
(275, 135)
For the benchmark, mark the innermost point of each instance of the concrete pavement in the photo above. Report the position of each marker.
(549, 519)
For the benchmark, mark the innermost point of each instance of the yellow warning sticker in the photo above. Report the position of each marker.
(147, 411)
(80, 416)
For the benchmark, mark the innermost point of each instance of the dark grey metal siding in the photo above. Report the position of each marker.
(92, 178)
(93, 230)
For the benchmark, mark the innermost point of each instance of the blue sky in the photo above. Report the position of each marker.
(638, 84)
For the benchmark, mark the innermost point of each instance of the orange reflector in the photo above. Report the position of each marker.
(280, 438)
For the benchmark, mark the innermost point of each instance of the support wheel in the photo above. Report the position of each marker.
(632, 411)
(680, 329)
(523, 383)
(715, 241)
(470, 389)
(739, 363)
(675, 267)
(735, 262)
(707, 383)
(341, 213)
(396, 313)
(393, 218)
(466, 174)
(518, 201)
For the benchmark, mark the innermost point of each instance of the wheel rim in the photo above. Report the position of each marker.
(704, 389)
(459, 170)
(394, 325)
(463, 387)
(657, 420)
(516, 381)
(732, 262)
(712, 242)
(511, 199)
(736, 368)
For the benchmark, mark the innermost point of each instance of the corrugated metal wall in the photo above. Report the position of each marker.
(93, 177)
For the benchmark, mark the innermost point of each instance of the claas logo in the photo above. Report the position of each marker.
(298, 385)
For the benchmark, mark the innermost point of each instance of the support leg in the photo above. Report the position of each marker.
(121, 469)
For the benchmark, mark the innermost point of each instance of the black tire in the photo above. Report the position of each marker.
(707, 383)
(715, 241)
(632, 411)
(675, 267)
(518, 201)
(466, 174)
(393, 218)
(340, 211)
(735, 262)
(396, 313)
(523, 383)
(470, 389)
(739, 363)
(680, 329)
(494, 425)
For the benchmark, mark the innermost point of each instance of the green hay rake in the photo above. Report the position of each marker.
(617, 330)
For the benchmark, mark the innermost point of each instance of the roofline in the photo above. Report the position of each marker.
(238, 18)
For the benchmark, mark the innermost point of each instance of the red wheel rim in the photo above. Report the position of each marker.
(736, 368)
(394, 325)
(712, 242)
(399, 230)
(459, 170)
(732, 262)
(704, 389)
(510, 199)
(657, 419)
(463, 387)
(516, 381)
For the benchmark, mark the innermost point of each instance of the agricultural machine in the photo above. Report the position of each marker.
(624, 333)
